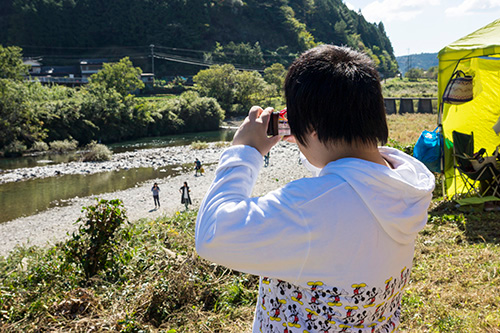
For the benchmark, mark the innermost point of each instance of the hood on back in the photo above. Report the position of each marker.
(398, 198)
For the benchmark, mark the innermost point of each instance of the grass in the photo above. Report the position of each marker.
(407, 128)
(163, 285)
(455, 282)
(159, 284)
(198, 145)
(405, 88)
(63, 145)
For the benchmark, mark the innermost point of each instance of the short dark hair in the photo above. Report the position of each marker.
(336, 92)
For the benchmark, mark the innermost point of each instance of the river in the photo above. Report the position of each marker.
(28, 197)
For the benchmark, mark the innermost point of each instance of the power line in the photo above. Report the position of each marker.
(80, 47)
(170, 56)
(225, 52)
(197, 62)
(83, 56)
(159, 55)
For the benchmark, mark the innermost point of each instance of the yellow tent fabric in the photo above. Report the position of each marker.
(477, 54)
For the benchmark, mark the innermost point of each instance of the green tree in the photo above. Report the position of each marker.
(304, 39)
(18, 119)
(197, 113)
(236, 91)
(218, 81)
(241, 54)
(108, 114)
(415, 73)
(432, 73)
(11, 63)
(250, 90)
(121, 76)
(275, 75)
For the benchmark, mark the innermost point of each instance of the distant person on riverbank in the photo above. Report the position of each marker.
(333, 251)
(185, 197)
(198, 168)
(266, 160)
(156, 194)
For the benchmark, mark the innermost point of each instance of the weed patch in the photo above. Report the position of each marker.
(198, 145)
(160, 284)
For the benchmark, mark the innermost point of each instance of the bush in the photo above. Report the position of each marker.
(198, 145)
(63, 145)
(92, 246)
(15, 148)
(39, 146)
(97, 152)
(195, 113)
(222, 144)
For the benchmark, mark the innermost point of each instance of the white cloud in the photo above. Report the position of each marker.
(471, 7)
(396, 10)
(350, 6)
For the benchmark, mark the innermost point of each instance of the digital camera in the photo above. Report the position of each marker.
(278, 124)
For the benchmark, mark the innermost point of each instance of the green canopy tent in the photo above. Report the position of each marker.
(477, 54)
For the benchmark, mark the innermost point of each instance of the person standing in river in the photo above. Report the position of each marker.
(197, 167)
(185, 198)
(156, 195)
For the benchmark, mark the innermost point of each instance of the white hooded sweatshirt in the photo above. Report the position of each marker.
(333, 252)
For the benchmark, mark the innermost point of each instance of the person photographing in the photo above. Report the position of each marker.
(333, 251)
(156, 195)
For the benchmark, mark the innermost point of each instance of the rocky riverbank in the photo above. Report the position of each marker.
(155, 158)
(54, 224)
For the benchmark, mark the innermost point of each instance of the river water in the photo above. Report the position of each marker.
(32, 196)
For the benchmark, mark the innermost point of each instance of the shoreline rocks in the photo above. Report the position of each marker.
(152, 157)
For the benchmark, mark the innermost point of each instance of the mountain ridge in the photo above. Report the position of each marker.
(280, 29)
(422, 60)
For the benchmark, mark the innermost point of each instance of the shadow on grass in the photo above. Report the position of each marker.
(478, 225)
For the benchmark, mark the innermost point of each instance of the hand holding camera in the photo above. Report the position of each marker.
(253, 131)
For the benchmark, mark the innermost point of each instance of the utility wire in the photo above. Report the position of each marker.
(144, 47)
(81, 47)
(196, 62)
(226, 53)
(85, 56)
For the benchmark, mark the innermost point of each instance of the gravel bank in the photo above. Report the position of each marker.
(54, 224)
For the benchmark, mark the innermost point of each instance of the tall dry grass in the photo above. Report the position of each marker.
(406, 128)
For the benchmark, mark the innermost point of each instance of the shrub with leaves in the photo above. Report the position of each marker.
(97, 152)
(93, 245)
(198, 145)
(39, 146)
(15, 148)
(63, 145)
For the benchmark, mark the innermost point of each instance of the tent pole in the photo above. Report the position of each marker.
(441, 160)
(440, 125)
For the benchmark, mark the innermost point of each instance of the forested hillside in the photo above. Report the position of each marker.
(422, 60)
(255, 33)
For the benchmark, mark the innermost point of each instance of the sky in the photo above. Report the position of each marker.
(426, 26)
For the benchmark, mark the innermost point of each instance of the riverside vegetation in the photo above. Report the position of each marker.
(151, 278)
(33, 115)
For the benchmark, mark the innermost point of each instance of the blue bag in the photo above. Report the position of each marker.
(428, 149)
